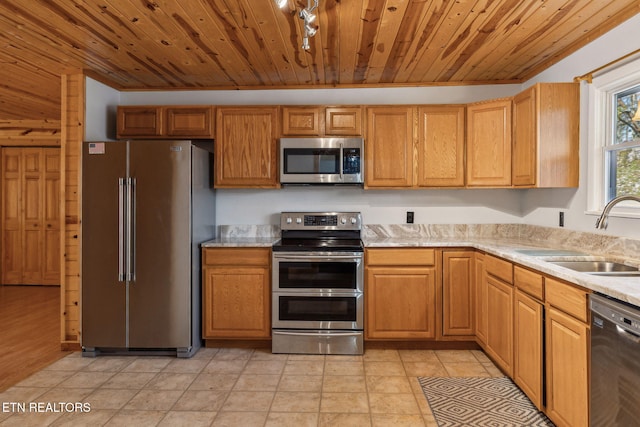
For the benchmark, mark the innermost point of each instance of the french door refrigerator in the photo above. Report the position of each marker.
(146, 207)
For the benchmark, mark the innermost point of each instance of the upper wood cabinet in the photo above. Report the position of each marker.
(489, 144)
(389, 147)
(546, 121)
(440, 146)
(321, 121)
(165, 122)
(246, 147)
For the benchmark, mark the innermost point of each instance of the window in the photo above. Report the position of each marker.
(622, 150)
(614, 138)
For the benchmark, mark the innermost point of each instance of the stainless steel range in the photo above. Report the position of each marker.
(318, 284)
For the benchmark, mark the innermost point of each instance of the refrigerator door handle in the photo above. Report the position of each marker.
(121, 229)
(131, 229)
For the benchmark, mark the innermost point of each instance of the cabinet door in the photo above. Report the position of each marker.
(441, 146)
(32, 215)
(344, 121)
(567, 369)
(400, 303)
(51, 211)
(481, 299)
(525, 136)
(389, 147)
(301, 121)
(489, 144)
(11, 216)
(528, 346)
(458, 299)
(141, 122)
(245, 148)
(236, 302)
(189, 122)
(500, 323)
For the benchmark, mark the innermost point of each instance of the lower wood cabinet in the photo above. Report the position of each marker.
(236, 293)
(528, 346)
(400, 294)
(458, 293)
(499, 345)
(481, 299)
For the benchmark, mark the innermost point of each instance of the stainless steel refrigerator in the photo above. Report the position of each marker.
(146, 207)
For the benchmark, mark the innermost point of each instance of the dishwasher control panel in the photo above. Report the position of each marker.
(616, 312)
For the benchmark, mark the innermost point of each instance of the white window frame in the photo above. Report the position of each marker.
(600, 117)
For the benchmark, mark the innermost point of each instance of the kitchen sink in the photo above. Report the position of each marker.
(603, 268)
(549, 252)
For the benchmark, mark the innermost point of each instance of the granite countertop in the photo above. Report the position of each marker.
(239, 242)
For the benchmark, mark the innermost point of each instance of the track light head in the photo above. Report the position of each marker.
(307, 16)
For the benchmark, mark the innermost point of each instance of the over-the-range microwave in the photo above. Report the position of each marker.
(326, 160)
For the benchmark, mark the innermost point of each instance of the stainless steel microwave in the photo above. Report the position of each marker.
(328, 160)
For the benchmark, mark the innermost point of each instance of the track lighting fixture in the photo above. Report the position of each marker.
(307, 16)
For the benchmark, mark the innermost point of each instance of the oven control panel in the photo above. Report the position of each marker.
(321, 221)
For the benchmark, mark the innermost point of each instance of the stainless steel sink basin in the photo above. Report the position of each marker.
(603, 268)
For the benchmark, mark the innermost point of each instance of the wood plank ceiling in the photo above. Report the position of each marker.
(240, 44)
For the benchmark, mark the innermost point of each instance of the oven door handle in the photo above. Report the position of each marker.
(321, 333)
(323, 258)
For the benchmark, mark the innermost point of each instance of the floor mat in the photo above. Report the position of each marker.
(480, 402)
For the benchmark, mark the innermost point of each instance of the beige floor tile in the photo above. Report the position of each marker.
(248, 401)
(456, 356)
(310, 383)
(265, 354)
(481, 356)
(474, 369)
(291, 419)
(430, 421)
(65, 395)
(153, 400)
(418, 356)
(109, 398)
(304, 367)
(205, 381)
(264, 367)
(344, 403)
(344, 358)
(86, 380)
(344, 420)
(200, 400)
(308, 357)
(128, 418)
(223, 366)
(21, 394)
(186, 366)
(382, 355)
(30, 419)
(234, 354)
(96, 417)
(205, 353)
(109, 364)
(344, 384)
(170, 381)
(70, 364)
(252, 382)
(384, 368)
(46, 379)
(148, 364)
(237, 419)
(293, 401)
(388, 384)
(425, 369)
(397, 420)
(187, 419)
(129, 380)
(493, 370)
(343, 368)
(393, 403)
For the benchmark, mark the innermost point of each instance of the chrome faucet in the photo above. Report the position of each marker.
(601, 223)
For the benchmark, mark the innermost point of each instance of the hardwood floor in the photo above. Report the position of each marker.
(29, 331)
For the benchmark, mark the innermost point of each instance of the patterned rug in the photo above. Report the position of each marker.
(480, 402)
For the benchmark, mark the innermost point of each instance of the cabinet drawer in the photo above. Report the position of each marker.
(567, 298)
(529, 282)
(404, 256)
(499, 268)
(236, 256)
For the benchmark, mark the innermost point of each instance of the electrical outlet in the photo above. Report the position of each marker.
(409, 217)
(561, 219)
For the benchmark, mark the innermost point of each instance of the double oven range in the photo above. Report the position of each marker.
(318, 284)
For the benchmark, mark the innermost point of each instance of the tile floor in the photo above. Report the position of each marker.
(237, 387)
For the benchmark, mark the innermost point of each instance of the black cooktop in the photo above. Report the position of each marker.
(324, 245)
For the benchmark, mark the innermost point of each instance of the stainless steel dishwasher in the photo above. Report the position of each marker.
(615, 363)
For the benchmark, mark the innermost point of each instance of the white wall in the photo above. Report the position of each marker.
(536, 206)
(101, 102)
